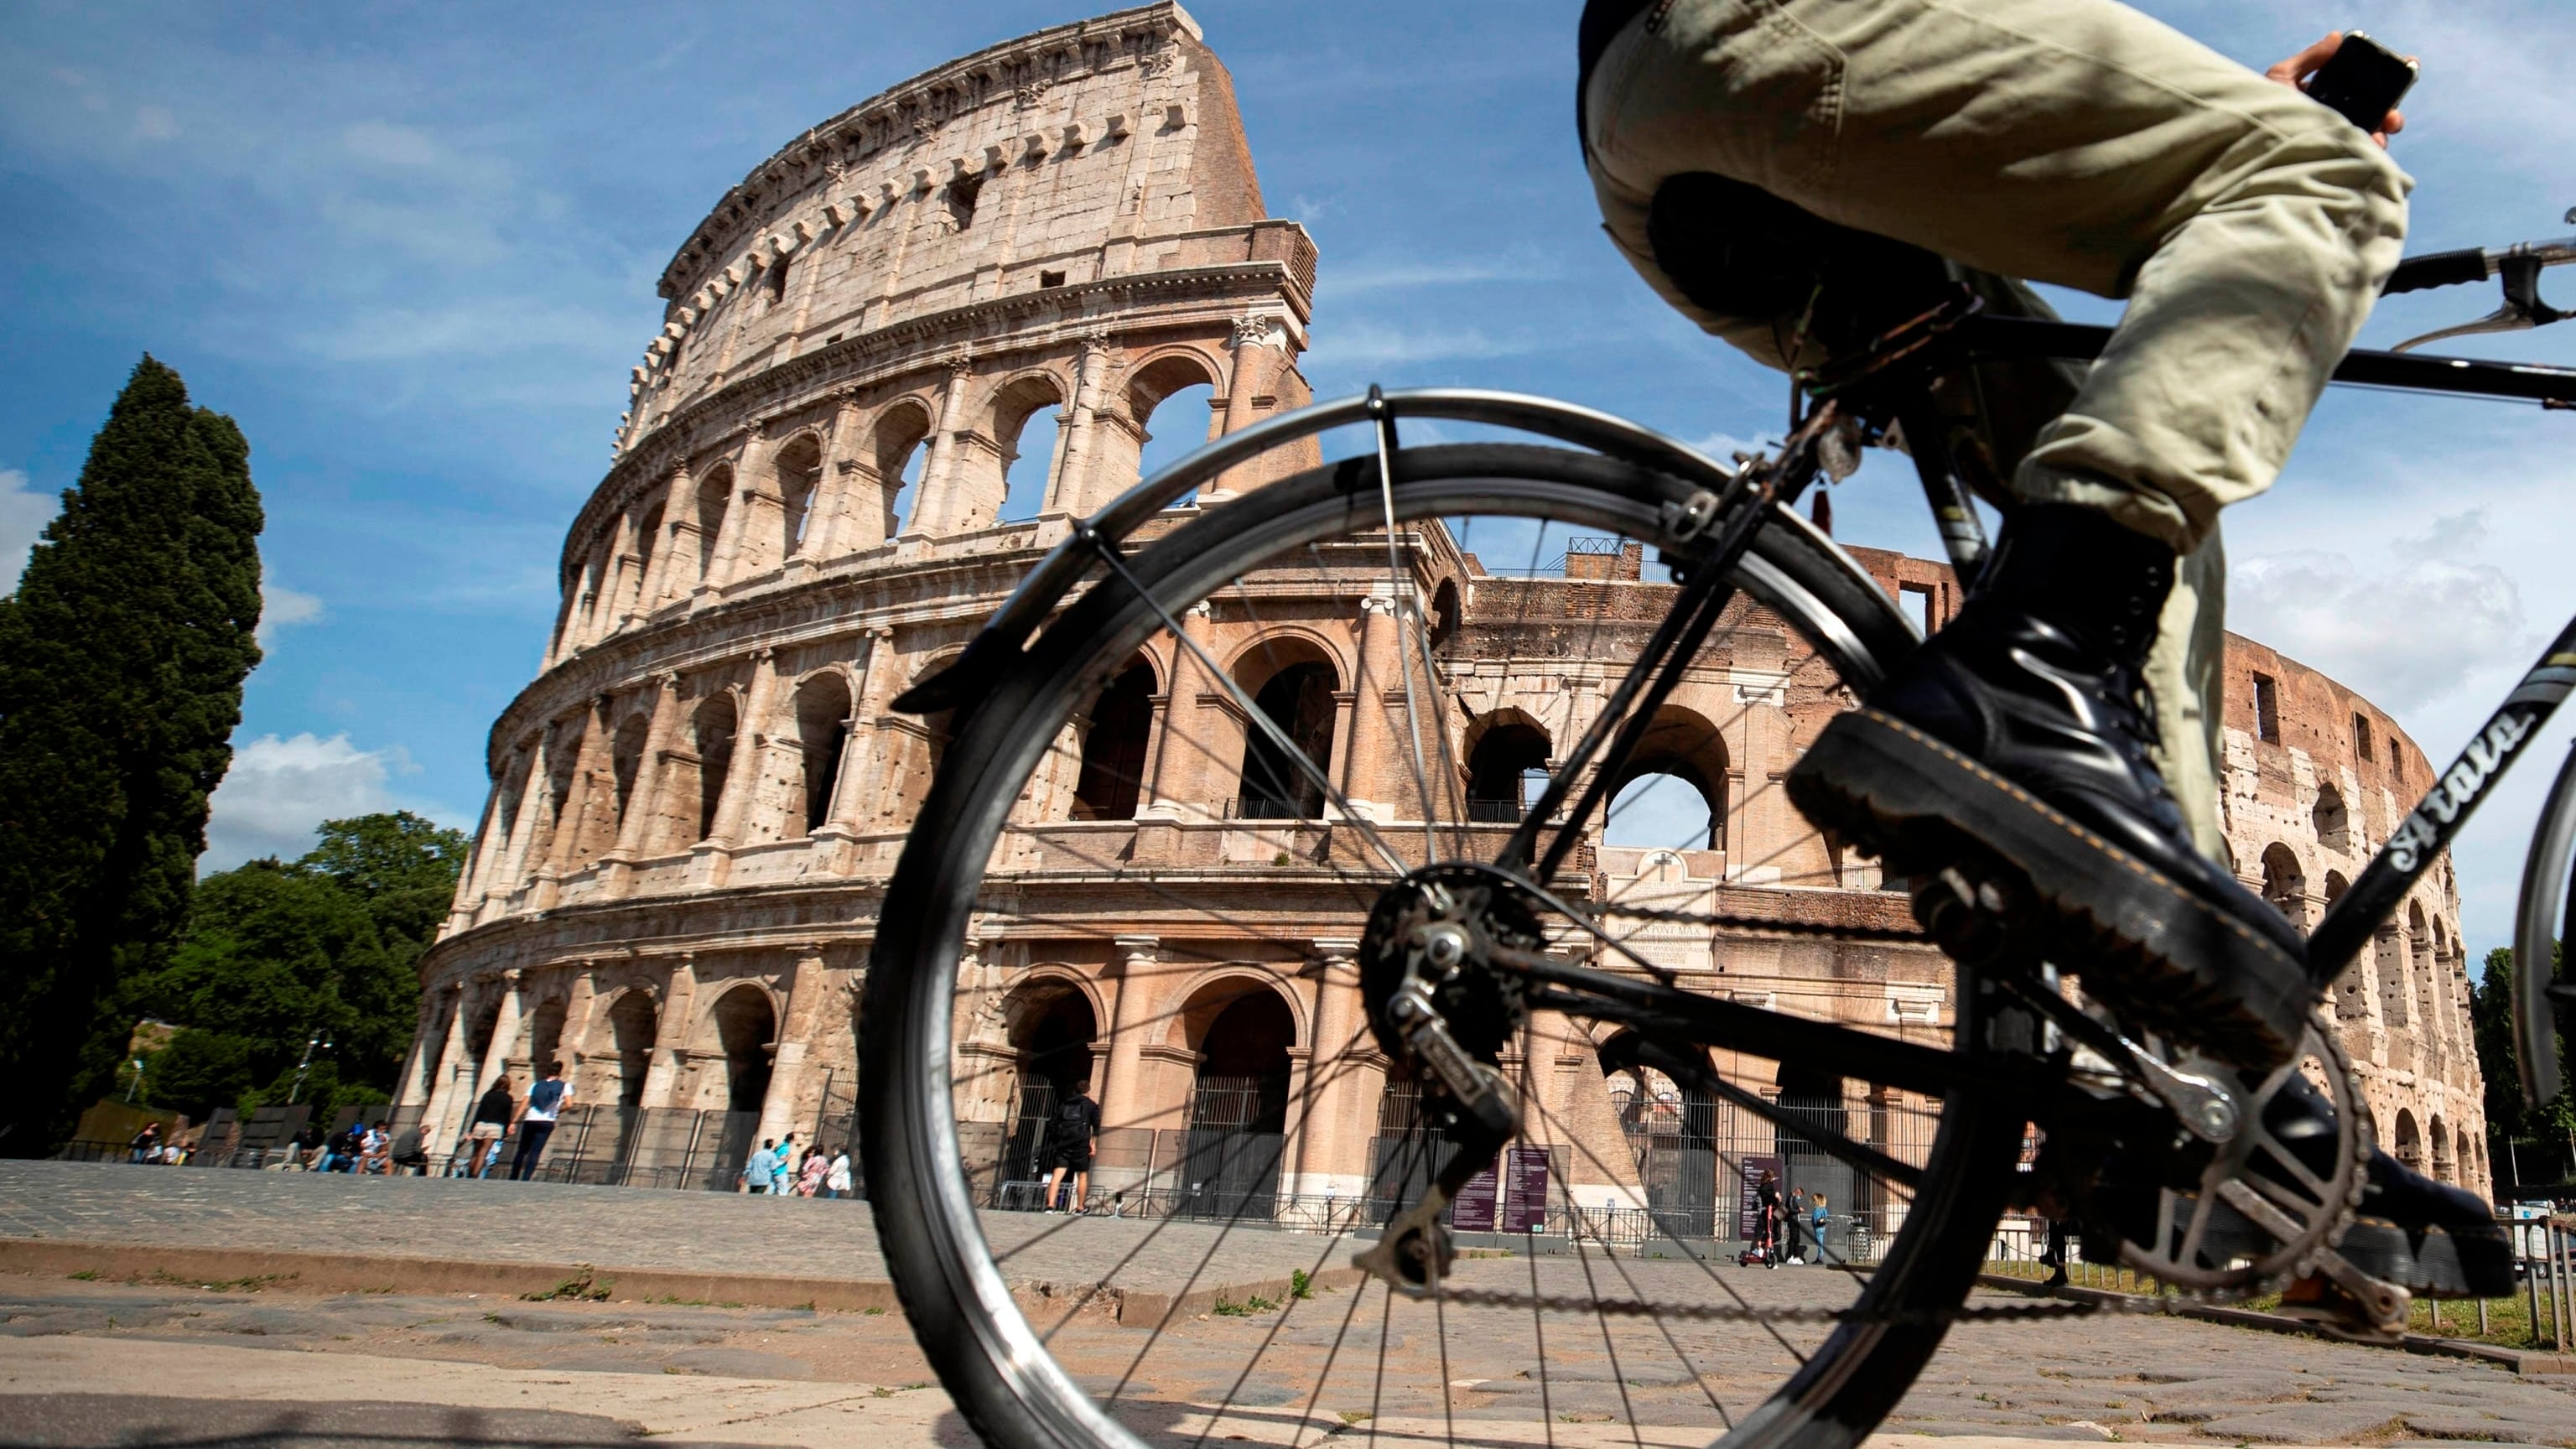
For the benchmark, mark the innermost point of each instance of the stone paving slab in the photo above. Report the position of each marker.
(730, 1242)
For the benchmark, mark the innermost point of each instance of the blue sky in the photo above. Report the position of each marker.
(412, 249)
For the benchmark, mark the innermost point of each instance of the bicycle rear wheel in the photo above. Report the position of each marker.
(1175, 920)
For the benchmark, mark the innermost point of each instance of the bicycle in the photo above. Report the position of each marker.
(1461, 900)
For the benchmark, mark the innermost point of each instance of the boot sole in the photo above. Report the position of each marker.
(2438, 1263)
(2152, 950)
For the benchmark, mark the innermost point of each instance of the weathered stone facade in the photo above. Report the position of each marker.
(696, 803)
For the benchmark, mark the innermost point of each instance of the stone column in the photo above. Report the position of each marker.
(1332, 1112)
(584, 1000)
(1252, 334)
(532, 794)
(1122, 1101)
(451, 1056)
(805, 986)
(572, 834)
(657, 570)
(1177, 776)
(505, 1034)
(1373, 760)
(671, 1035)
(719, 571)
(644, 797)
(1071, 491)
(624, 571)
(837, 836)
(832, 532)
(936, 510)
(742, 772)
(478, 862)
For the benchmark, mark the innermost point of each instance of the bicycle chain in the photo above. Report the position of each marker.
(1725, 1313)
(1765, 923)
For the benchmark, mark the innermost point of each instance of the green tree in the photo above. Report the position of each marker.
(2491, 1027)
(276, 955)
(122, 656)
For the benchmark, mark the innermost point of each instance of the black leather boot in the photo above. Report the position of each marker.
(2014, 746)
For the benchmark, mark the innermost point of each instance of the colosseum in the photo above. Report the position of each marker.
(897, 361)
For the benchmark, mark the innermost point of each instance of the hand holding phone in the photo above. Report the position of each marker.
(2355, 76)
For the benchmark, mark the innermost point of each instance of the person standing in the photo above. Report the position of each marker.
(145, 1144)
(756, 1167)
(1766, 1197)
(818, 1167)
(782, 1167)
(1817, 1218)
(838, 1181)
(482, 1142)
(545, 1104)
(1077, 1119)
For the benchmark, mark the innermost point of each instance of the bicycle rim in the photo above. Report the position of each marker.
(1232, 906)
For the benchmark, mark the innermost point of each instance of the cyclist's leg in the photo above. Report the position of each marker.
(2069, 141)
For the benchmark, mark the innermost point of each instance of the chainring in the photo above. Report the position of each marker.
(2242, 1230)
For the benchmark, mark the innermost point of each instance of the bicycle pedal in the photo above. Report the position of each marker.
(2382, 1305)
(1970, 920)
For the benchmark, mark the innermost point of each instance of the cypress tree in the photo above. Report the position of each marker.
(122, 657)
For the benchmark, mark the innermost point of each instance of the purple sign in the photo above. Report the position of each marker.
(1525, 1190)
(1749, 1173)
(1472, 1211)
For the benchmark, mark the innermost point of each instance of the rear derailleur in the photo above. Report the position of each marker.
(2222, 1183)
(1435, 1004)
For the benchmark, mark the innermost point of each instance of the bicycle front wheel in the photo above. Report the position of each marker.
(1128, 895)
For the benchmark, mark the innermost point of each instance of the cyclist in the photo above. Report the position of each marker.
(2066, 720)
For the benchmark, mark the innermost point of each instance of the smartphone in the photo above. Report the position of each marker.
(2362, 81)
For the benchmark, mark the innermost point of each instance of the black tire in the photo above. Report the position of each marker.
(992, 1362)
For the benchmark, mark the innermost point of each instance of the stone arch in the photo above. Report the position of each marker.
(625, 1034)
(796, 471)
(2352, 988)
(2285, 883)
(480, 1023)
(899, 447)
(1242, 1029)
(2444, 1168)
(1446, 614)
(1506, 754)
(1146, 384)
(1683, 746)
(2409, 1144)
(1212, 990)
(545, 1035)
(1672, 1132)
(1049, 1022)
(1026, 478)
(713, 501)
(822, 712)
(2332, 820)
(1292, 679)
(713, 727)
(742, 1025)
(912, 746)
(1115, 745)
(648, 542)
(2421, 964)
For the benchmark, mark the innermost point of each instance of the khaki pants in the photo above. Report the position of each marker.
(2075, 142)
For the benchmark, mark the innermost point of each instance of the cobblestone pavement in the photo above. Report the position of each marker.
(2084, 1380)
(608, 1226)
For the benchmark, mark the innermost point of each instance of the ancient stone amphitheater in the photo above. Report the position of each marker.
(833, 466)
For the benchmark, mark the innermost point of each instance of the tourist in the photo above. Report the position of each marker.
(782, 1169)
(1077, 1120)
(482, 1144)
(838, 1181)
(341, 1153)
(756, 1168)
(1766, 1240)
(376, 1151)
(146, 1146)
(545, 1103)
(1817, 1217)
(817, 1167)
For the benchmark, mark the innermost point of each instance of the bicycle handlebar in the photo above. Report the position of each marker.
(2472, 264)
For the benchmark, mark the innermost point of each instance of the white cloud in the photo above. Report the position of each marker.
(280, 790)
(2406, 629)
(24, 512)
(1374, 344)
(281, 607)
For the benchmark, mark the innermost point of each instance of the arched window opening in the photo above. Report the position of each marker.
(1113, 752)
(626, 762)
(2352, 989)
(2285, 885)
(1298, 699)
(1051, 1029)
(648, 537)
(715, 495)
(1506, 773)
(1239, 1107)
(631, 1030)
(2410, 1140)
(800, 474)
(711, 733)
(2443, 1167)
(1672, 1137)
(2333, 822)
(545, 1036)
(478, 1032)
(1179, 393)
(745, 1025)
(1671, 795)
(822, 738)
(774, 276)
(902, 453)
(2419, 940)
(963, 193)
(1025, 427)
(1444, 613)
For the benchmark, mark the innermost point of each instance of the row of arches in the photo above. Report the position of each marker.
(732, 1028)
(2412, 976)
(932, 462)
